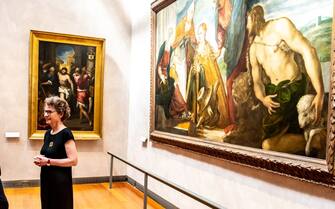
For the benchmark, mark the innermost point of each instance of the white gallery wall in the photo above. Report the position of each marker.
(100, 18)
(125, 24)
(232, 186)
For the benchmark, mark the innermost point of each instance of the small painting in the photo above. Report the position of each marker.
(68, 67)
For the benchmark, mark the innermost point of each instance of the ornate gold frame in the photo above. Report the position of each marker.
(99, 43)
(307, 169)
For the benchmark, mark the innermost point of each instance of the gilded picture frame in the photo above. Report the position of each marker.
(71, 67)
(222, 25)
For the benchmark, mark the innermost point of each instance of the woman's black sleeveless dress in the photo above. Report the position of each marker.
(56, 182)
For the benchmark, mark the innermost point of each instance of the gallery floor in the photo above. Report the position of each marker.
(86, 196)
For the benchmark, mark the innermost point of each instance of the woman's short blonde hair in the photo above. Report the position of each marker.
(61, 106)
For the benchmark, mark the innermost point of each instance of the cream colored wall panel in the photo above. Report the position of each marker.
(100, 18)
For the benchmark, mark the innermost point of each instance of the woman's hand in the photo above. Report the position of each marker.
(40, 160)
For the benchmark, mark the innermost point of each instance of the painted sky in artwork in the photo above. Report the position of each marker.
(296, 10)
(63, 51)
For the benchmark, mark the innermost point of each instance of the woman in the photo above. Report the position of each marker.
(57, 155)
(3, 199)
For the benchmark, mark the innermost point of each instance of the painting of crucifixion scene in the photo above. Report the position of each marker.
(252, 73)
(67, 71)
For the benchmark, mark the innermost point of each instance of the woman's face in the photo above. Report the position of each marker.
(201, 35)
(51, 115)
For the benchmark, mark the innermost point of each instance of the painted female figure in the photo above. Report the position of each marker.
(206, 85)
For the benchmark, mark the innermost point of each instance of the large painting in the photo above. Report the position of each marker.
(69, 67)
(248, 81)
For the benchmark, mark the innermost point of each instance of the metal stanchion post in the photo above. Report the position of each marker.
(111, 173)
(145, 190)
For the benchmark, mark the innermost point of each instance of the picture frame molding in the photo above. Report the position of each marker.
(37, 36)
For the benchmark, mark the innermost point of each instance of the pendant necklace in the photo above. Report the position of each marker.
(51, 144)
